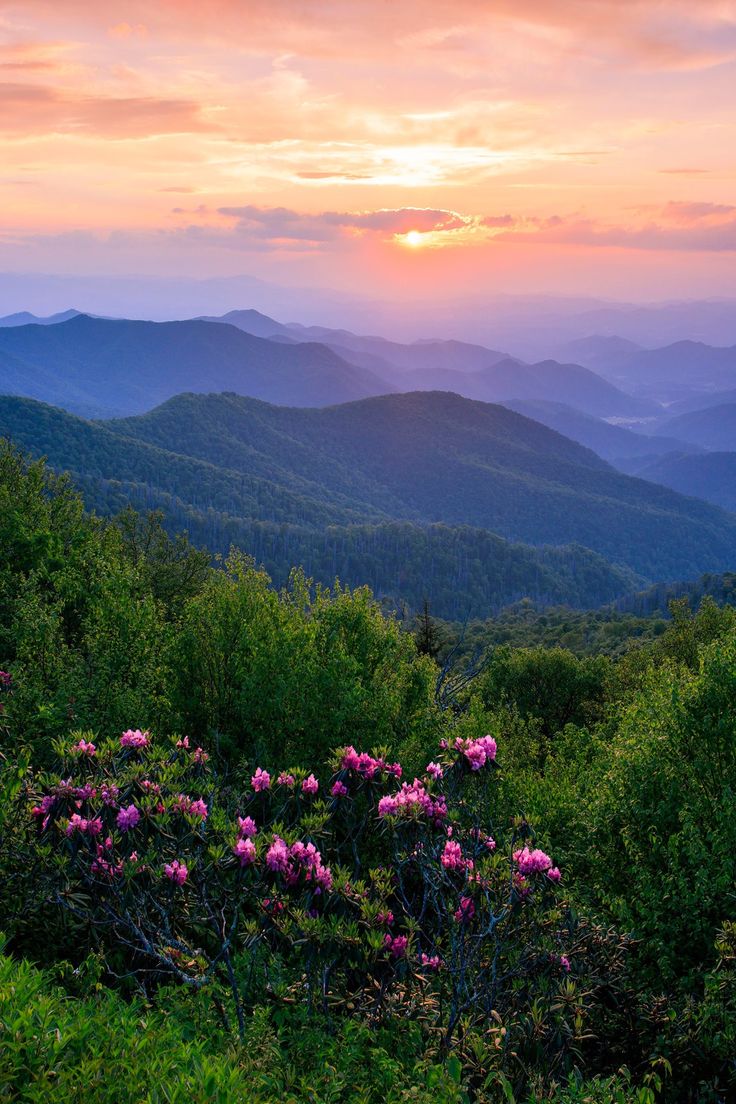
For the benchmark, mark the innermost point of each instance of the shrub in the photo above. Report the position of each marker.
(359, 895)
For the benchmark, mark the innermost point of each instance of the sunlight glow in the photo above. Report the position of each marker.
(413, 238)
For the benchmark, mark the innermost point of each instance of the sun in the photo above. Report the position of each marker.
(413, 238)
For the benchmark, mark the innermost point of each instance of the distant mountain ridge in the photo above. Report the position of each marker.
(123, 366)
(329, 487)
(470, 370)
(614, 443)
(291, 520)
(713, 427)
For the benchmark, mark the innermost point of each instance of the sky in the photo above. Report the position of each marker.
(414, 150)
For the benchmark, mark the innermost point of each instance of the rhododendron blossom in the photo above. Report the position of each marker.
(285, 779)
(200, 755)
(197, 808)
(477, 752)
(434, 770)
(289, 861)
(128, 818)
(310, 785)
(532, 862)
(452, 857)
(134, 738)
(466, 912)
(245, 850)
(110, 793)
(432, 962)
(247, 827)
(261, 780)
(395, 944)
(554, 874)
(78, 823)
(411, 798)
(176, 872)
(339, 789)
(85, 747)
(367, 765)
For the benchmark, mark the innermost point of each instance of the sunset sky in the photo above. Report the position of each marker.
(540, 145)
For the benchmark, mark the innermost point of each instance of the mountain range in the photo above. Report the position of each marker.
(102, 367)
(414, 493)
(107, 366)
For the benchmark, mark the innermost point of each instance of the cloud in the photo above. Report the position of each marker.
(692, 212)
(39, 109)
(280, 224)
(700, 235)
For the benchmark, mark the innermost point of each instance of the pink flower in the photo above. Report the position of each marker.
(200, 755)
(85, 748)
(277, 856)
(565, 963)
(76, 824)
(452, 856)
(176, 872)
(395, 769)
(247, 827)
(183, 743)
(477, 752)
(134, 738)
(310, 785)
(128, 818)
(434, 770)
(532, 862)
(395, 944)
(339, 789)
(198, 809)
(110, 793)
(466, 912)
(261, 780)
(490, 746)
(6, 678)
(387, 806)
(285, 779)
(245, 850)
(431, 963)
(350, 759)
(554, 874)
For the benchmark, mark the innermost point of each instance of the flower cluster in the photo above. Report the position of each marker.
(413, 798)
(176, 872)
(477, 752)
(291, 861)
(452, 857)
(77, 823)
(466, 911)
(85, 747)
(261, 780)
(198, 808)
(430, 962)
(395, 944)
(310, 785)
(128, 818)
(533, 862)
(367, 765)
(134, 738)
